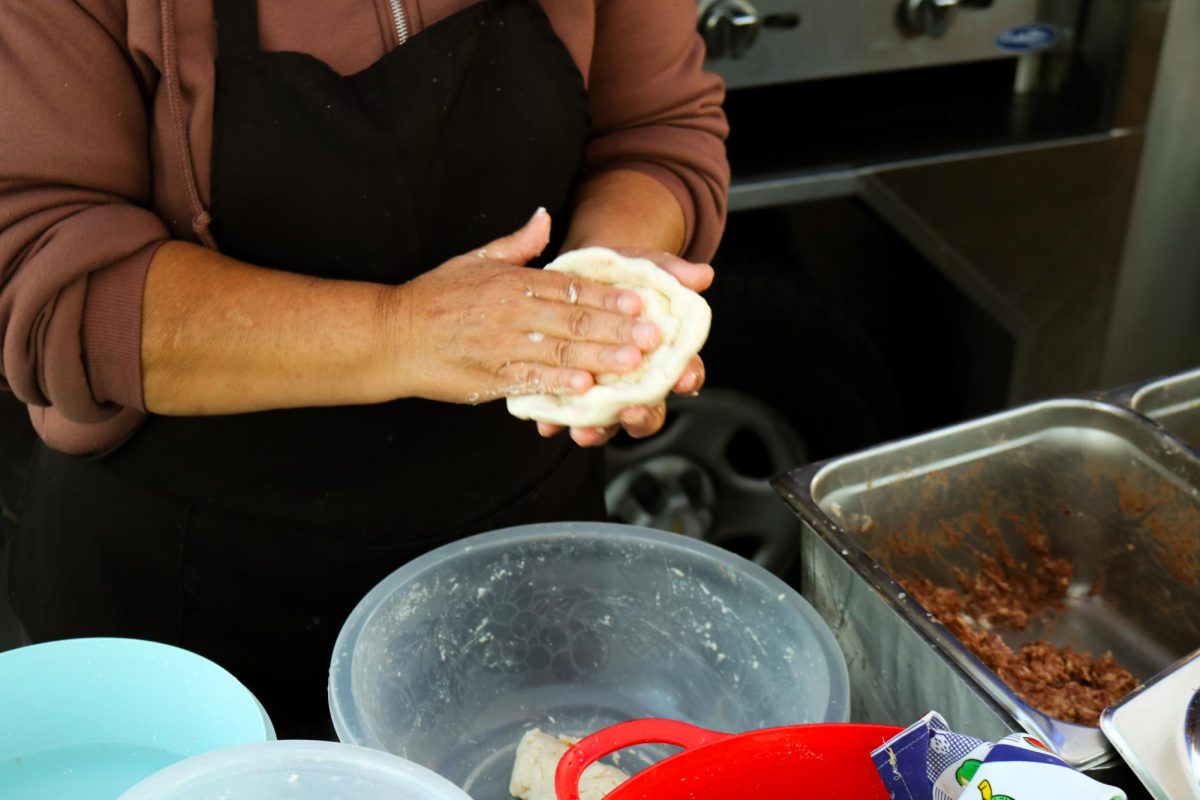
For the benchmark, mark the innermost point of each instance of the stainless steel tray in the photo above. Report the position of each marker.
(1150, 728)
(1115, 495)
(1173, 403)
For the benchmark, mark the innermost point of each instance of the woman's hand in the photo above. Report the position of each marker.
(642, 421)
(483, 326)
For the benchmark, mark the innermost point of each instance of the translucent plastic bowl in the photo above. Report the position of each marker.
(295, 770)
(86, 719)
(572, 628)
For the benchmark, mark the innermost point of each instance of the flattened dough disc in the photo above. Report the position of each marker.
(682, 317)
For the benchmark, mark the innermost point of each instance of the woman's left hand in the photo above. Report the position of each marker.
(642, 421)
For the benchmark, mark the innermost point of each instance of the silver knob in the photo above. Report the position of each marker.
(729, 28)
(933, 17)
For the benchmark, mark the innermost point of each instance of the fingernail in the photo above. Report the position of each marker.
(540, 210)
(580, 381)
(646, 334)
(636, 416)
(629, 303)
(627, 356)
(689, 382)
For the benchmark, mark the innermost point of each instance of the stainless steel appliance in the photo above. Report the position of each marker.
(999, 141)
(758, 42)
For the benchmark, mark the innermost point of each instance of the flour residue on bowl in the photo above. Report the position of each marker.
(574, 634)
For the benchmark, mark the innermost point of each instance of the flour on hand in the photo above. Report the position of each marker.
(683, 320)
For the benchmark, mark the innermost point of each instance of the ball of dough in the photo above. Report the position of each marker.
(537, 760)
(682, 317)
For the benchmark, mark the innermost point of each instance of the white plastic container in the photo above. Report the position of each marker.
(295, 770)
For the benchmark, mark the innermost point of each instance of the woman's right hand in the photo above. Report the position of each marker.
(483, 326)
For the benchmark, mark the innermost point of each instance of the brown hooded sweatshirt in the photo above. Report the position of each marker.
(106, 111)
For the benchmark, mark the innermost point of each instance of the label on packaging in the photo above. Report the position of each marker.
(928, 761)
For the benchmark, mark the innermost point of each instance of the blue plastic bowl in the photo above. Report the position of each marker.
(85, 719)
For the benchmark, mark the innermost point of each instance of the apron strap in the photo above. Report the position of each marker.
(237, 27)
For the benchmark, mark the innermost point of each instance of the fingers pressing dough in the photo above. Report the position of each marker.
(682, 317)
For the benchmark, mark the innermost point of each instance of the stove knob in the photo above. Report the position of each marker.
(933, 17)
(729, 28)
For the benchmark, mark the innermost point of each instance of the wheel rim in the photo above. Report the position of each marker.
(706, 475)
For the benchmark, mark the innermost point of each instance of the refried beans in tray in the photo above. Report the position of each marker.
(1004, 593)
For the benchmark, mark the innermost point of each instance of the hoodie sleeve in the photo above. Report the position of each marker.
(76, 234)
(655, 110)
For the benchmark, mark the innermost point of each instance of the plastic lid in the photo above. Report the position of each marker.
(295, 770)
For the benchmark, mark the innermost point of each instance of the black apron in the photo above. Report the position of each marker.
(249, 538)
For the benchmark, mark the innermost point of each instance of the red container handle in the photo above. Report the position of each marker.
(625, 734)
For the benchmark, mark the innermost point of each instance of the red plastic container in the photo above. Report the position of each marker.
(826, 761)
